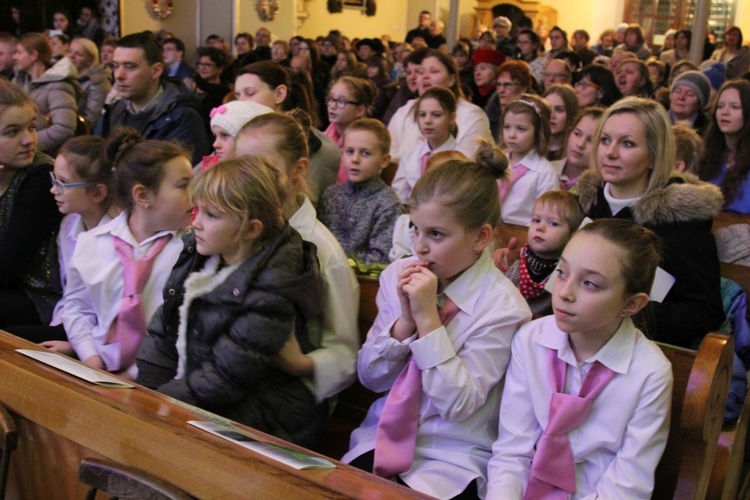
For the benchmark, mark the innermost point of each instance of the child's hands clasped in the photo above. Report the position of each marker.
(417, 291)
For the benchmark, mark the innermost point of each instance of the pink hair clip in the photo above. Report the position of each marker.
(532, 105)
(218, 111)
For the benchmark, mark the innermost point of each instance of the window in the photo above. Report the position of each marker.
(657, 16)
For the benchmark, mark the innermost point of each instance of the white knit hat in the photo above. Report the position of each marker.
(232, 116)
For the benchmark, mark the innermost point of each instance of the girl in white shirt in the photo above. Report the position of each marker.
(439, 70)
(446, 318)
(614, 450)
(81, 185)
(526, 133)
(435, 114)
(150, 184)
(334, 333)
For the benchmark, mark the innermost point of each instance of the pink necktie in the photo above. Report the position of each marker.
(396, 434)
(567, 184)
(553, 472)
(423, 161)
(129, 327)
(516, 173)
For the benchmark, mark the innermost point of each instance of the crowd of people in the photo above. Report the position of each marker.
(205, 215)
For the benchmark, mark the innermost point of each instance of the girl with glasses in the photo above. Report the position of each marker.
(81, 186)
(596, 86)
(349, 99)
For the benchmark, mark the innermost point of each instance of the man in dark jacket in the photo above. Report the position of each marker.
(174, 53)
(423, 30)
(157, 109)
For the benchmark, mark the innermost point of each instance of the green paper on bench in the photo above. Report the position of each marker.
(288, 456)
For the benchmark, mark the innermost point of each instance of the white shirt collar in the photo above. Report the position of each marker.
(532, 160)
(119, 227)
(424, 146)
(77, 228)
(615, 204)
(615, 355)
(465, 290)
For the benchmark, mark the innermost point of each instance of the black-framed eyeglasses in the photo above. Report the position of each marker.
(58, 184)
(340, 102)
(506, 85)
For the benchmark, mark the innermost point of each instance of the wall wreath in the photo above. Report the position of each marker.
(267, 9)
(161, 9)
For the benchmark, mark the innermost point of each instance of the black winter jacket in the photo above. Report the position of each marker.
(231, 334)
(175, 118)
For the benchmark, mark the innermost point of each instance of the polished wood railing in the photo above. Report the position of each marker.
(62, 419)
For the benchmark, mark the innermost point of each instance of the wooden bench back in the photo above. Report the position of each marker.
(503, 234)
(701, 385)
(725, 219)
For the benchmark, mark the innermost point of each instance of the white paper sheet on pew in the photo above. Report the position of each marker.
(292, 458)
(75, 368)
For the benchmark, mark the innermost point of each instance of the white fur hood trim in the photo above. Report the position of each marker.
(198, 284)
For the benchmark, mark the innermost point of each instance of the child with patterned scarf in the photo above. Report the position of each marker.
(555, 217)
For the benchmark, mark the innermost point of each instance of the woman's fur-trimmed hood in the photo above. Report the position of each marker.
(684, 198)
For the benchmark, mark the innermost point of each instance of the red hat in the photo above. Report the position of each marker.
(491, 56)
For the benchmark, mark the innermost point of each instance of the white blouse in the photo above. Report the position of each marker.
(619, 445)
(95, 286)
(335, 334)
(70, 227)
(410, 167)
(519, 203)
(461, 363)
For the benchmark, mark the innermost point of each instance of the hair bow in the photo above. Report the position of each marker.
(532, 105)
(218, 111)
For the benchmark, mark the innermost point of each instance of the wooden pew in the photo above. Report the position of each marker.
(62, 419)
(725, 219)
(730, 454)
(701, 385)
(504, 232)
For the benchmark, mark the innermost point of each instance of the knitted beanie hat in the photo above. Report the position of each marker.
(698, 82)
(502, 21)
(714, 71)
(232, 116)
